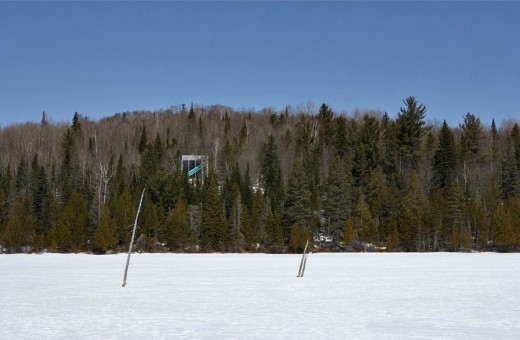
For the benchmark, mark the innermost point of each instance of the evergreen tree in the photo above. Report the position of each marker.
(67, 167)
(214, 229)
(494, 145)
(143, 141)
(505, 228)
(363, 222)
(456, 217)
(71, 229)
(177, 227)
(411, 128)
(515, 140)
(444, 160)
(510, 174)
(18, 232)
(274, 238)
(236, 231)
(76, 124)
(150, 223)
(105, 237)
(350, 237)
(124, 217)
(390, 142)
(258, 218)
(297, 200)
(379, 200)
(271, 174)
(325, 119)
(22, 178)
(471, 137)
(299, 237)
(337, 201)
(412, 214)
(246, 190)
(340, 141)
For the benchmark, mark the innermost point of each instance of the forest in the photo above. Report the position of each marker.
(273, 179)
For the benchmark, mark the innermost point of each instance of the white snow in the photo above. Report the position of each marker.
(258, 296)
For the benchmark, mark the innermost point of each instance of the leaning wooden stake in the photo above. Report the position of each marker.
(304, 261)
(132, 240)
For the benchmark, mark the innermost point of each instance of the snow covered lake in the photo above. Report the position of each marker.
(258, 296)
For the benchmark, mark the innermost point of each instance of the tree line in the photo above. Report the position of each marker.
(274, 180)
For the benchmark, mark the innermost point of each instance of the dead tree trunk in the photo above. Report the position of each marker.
(132, 240)
(304, 261)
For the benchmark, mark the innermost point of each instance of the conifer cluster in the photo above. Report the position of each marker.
(347, 182)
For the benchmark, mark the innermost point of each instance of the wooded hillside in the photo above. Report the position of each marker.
(363, 181)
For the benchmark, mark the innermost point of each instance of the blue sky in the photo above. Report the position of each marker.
(99, 58)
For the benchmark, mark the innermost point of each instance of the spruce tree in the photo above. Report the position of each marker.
(214, 227)
(271, 174)
(413, 207)
(444, 161)
(510, 174)
(297, 200)
(337, 202)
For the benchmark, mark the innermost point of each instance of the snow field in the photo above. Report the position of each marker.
(258, 296)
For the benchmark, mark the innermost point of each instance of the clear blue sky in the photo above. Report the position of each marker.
(106, 57)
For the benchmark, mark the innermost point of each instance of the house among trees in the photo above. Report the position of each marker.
(195, 165)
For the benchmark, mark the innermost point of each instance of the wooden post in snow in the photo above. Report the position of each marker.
(132, 240)
(304, 261)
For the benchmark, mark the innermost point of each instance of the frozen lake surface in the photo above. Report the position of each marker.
(258, 296)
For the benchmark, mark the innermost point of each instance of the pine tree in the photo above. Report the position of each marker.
(471, 137)
(411, 128)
